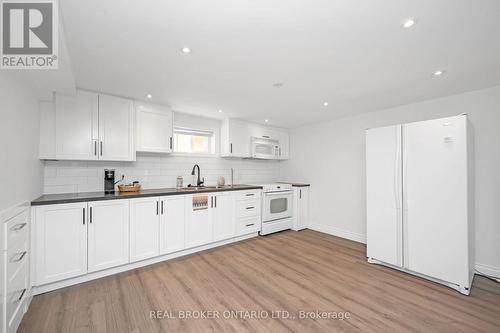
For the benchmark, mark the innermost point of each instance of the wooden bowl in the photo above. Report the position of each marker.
(129, 188)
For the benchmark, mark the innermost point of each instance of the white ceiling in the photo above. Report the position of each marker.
(352, 53)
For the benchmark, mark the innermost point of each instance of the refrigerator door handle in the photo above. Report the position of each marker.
(405, 201)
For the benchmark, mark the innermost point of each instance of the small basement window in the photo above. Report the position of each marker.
(193, 141)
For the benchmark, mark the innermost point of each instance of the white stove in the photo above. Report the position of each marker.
(277, 199)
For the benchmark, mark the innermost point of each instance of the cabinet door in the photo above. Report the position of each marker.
(154, 129)
(172, 223)
(144, 228)
(284, 138)
(116, 129)
(60, 242)
(76, 126)
(303, 211)
(224, 224)
(198, 220)
(235, 139)
(384, 194)
(108, 238)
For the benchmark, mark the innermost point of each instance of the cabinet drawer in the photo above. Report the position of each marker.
(16, 290)
(248, 225)
(16, 256)
(16, 230)
(248, 208)
(245, 195)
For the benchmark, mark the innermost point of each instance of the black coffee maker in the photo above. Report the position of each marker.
(109, 181)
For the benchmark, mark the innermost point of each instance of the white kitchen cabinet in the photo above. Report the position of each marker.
(284, 139)
(60, 242)
(116, 129)
(172, 220)
(199, 220)
(91, 126)
(300, 207)
(76, 126)
(108, 234)
(224, 223)
(154, 128)
(144, 228)
(235, 138)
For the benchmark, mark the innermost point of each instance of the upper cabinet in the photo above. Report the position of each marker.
(238, 138)
(154, 128)
(92, 126)
(235, 138)
(116, 129)
(77, 121)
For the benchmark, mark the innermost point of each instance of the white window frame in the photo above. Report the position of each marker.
(200, 132)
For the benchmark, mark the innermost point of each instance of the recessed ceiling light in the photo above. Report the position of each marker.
(220, 111)
(325, 104)
(149, 96)
(409, 22)
(438, 73)
(186, 50)
(267, 120)
(278, 84)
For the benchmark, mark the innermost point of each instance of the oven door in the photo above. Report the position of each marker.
(277, 205)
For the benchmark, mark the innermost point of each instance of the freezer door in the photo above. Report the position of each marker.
(435, 224)
(384, 194)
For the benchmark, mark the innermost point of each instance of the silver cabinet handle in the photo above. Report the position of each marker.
(250, 194)
(231, 148)
(18, 227)
(162, 207)
(251, 207)
(95, 147)
(22, 294)
(171, 144)
(20, 257)
(249, 225)
(90, 215)
(101, 148)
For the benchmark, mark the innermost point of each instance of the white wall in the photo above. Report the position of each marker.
(331, 156)
(159, 170)
(20, 168)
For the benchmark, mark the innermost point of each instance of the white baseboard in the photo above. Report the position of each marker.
(488, 270)
(327, 229)
(361, 238)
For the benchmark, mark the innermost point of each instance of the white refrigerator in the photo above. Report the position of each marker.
(420, 199)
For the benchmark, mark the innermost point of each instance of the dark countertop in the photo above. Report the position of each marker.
(296, 184)
(51, 199)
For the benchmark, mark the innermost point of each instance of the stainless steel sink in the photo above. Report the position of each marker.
(197, 188)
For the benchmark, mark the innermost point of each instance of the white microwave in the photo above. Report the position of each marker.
(265, 148)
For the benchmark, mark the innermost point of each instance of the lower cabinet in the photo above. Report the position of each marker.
(108, 234)
(223, 215)
(144, 228)
(199, 221)
(75, 239)
(301, 207)
(61, 242)
(172, 218)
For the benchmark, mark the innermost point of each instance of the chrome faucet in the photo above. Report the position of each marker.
(198, 181)
(232, 177)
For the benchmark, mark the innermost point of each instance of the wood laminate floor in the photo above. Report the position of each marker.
(289, 272)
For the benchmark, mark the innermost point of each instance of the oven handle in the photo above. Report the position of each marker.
(286, 192)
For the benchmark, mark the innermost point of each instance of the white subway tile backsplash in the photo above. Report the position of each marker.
(154, 172)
